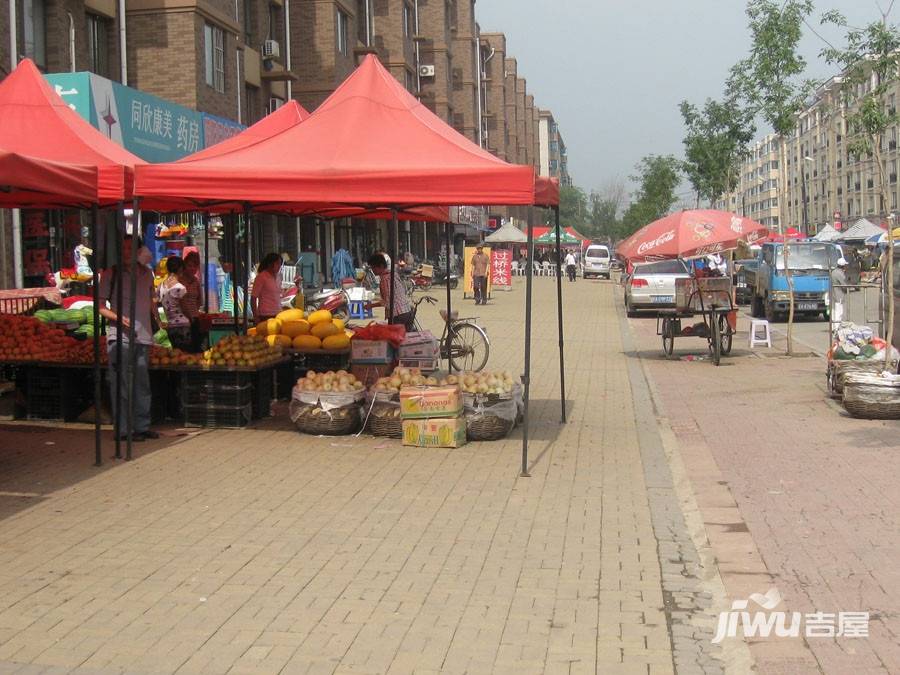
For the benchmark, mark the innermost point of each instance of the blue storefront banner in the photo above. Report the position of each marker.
(152, 128)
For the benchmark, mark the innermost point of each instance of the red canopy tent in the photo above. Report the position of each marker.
(371, 143)
(47, 148)
(49, 158)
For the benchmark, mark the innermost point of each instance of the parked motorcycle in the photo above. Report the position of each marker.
(335, 300)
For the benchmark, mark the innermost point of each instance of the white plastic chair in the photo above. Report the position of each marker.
(514, 268)
(549, 270)
(538, 270)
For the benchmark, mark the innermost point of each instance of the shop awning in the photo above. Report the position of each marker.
(48, 149)
(370, 142)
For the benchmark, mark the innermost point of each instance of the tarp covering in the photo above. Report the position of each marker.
(861, 229)
(827, 233)
(546, 191)
(370, 142)
(507, 234)
(565, 237)
(540, 231)
(55, 149)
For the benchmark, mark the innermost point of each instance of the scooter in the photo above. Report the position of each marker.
(440, 277)
(335, 300)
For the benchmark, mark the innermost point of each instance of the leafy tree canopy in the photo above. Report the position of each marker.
(658, 177)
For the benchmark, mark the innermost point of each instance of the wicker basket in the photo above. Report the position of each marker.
(312, 419)
(487, 427)
(841, 369)
(384, 420)
(872, 397)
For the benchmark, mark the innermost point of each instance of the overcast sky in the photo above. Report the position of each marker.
(614, 71)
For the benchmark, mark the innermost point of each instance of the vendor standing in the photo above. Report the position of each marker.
(403, 314)
(265, 298)
(480, 263)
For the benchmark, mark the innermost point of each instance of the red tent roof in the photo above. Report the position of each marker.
(56, 149)
(546, 191)
(371, 142)
(540, 231)
(287, 116)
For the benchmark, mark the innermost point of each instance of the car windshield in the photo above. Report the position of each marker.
(808, 256)
(596, 252)
(662, 267)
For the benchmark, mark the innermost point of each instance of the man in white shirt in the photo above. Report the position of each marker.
(570, 265)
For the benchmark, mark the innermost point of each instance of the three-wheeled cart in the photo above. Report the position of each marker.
(709, 298)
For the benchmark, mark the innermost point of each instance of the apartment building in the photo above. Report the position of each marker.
(495, 129)
(552, 160)
(756, 195)
(467, 70)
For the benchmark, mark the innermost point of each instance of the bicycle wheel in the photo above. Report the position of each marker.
(727, 334)
(668, 336)
(715, 341)
(468, 346)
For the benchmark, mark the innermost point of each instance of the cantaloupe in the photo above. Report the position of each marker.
(273, 326)
(323, 330)
(261, 328)
(339, 323)
(251, 331)
(306, 343)
(319, 316)
(294, 328)
(278, 340)
(337, 341)
(290, 315)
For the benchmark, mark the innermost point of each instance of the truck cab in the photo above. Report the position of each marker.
(810, 262)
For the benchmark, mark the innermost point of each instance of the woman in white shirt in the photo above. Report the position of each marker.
(172, 292)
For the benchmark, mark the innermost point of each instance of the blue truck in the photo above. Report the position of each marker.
(811, 263)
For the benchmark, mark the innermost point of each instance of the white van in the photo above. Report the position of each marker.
(596, 261)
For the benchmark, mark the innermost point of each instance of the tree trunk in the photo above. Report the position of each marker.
(889, 263)
(787, 268)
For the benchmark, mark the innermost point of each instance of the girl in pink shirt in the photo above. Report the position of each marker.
(265, 298)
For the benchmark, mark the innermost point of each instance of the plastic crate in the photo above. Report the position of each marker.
(321, 362)
(56, 393)
(217, 417)
(217, 394)
(262, 391)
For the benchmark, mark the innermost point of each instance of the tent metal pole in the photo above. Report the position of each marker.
(559, 311)
(235, 266)
(120, 281)
(447, 227)
(246, 280)
(206, 267)
(132, 307)
(98, 375)
(526, 378)
(393, 270)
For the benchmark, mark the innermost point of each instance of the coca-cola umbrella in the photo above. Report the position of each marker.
(689, 234)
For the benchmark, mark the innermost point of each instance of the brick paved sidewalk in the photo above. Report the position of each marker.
(262, 550)
(793, 493)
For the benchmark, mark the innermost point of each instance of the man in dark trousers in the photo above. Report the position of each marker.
(480, 264)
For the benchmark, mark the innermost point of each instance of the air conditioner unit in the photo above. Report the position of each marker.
(426, 71)
(271, 49)
(275, 104)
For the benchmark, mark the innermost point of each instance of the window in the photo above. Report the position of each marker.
(362, 18)
(98, 44)
(35, 23)
(214, 51)
(248, 22)
(341, 40)
(408, 28)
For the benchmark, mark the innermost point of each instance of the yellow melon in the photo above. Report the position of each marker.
(273, 326)
(319, 316)
(349, 333)
(261, 328)
(294, 328)
(323, 330)
(339, 323)
(290, 315)
(337, 341)
(251, 331)
(305, 343)
(278, 340)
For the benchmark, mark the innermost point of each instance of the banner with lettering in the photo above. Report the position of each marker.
(501, 268)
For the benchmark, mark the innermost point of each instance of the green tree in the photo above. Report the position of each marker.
(872, 55)
(573, 207)
(605, 204)
(715, 144)
(658, 176)
(771, 81)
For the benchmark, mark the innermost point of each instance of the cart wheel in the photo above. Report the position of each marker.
(715, 342)
(668, 336)
(727, 334)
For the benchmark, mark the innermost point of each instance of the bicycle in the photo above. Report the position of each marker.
(464, 343)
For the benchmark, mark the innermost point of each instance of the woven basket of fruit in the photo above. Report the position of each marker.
(327, 404)
(491, 421)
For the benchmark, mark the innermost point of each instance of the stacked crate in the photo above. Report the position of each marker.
(225, 399)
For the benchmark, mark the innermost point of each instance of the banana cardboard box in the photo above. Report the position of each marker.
(443, 432)
(426, 402)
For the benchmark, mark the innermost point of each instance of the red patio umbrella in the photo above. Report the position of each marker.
(790, 233)
(690, 233)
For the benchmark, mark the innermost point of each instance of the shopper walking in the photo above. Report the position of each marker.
(265, 297)
(146, 323)
(570, 265)
(480, 264)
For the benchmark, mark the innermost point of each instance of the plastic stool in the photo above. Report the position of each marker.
(358, 310)
(755, 325)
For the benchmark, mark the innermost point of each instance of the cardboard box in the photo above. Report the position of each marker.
(441, 432)
(368, 373)
(421, 345)
(372, 351)
(422, 402)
